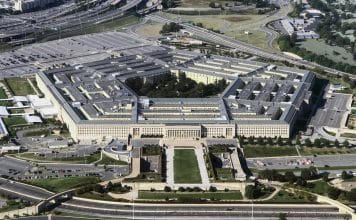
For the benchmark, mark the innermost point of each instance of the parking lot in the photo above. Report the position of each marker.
(332, 111)
(302, 162)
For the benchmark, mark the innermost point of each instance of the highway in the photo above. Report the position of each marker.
(200, 211)
(66, 18)
(171, 211)
(224, 40)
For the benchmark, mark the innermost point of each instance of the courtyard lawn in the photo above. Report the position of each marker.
(14, 121)
(20, 86)
(63, 184)
(2, 94)
(219, 195)
(186, 168)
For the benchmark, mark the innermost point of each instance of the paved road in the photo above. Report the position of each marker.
(201, 211)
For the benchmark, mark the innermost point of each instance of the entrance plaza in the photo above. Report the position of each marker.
(186, 166)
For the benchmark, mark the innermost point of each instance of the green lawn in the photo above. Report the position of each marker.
(12, 205)
(186, 168)
(2, 94)
(63, 184)
(219, 195)
(20, 86)
(37, 158)
(319, 187)
(326, 150)
(110, 161)
(14, 121)
(287, 197)
(269, 151)
(318, 46)
(348, 135)
(225, 174)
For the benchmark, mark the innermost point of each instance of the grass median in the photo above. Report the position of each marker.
(220, 195)
(62, 184)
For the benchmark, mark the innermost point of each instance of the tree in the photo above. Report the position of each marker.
(252, 192)
(290, 177)
(345, 175)
(260, 140)
(301, 182)
(282, 216)
(346, 143)
(307, 174)
(351, 196)
(109, 186)
(333, 192)
(317, 143)
(307, 142)
(167, 189)
(326, 177)
(336, 143)
(212, 189)
(99, 188)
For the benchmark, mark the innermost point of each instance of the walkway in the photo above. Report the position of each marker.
(202, 168)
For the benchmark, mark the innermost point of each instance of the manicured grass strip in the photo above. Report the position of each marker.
(63, 184)
(186, 168)
(20, 86)
(110, 161)
(269, 151)
(220, 195)
(37, 158)
(2, 94)
(348, 135)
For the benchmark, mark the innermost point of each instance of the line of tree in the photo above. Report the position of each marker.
(170, 27)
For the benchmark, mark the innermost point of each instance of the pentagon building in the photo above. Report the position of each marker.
(96, 104)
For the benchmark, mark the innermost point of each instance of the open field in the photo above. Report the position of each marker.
(338, 54)
(257, 38)
(20, 86)
(223, 23)
(186, 168)
(150, 29)
(219, 195)
(63, 184)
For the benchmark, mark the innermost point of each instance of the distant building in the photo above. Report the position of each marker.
(3, 130)
(29, 5)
